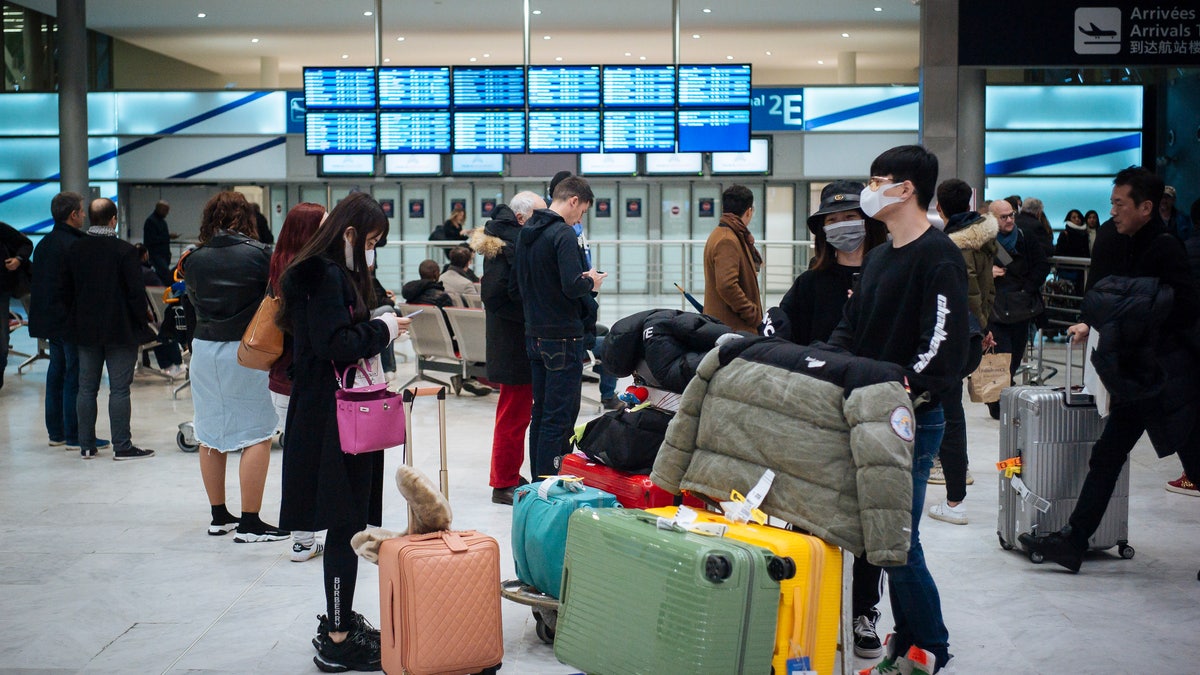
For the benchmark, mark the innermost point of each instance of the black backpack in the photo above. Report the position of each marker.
(626, 440)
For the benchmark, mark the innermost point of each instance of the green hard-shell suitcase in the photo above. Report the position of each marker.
(640, 599)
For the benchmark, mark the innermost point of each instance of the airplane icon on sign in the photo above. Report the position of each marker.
(1097, 31)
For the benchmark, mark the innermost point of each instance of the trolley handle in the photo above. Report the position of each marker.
(416, 392)
(1069, 394)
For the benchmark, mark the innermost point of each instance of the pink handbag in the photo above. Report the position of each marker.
(370, 418)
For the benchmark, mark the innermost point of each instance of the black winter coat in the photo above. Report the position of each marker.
(14, 244)
(426, 292)
(507, 362)
(670, 342)
(1033, 227)
(1073, 243)
(812, 307)
(323, 486)
(104, 293)
(557, 298)
(226, 280)
(1027, 272)
(48, 317)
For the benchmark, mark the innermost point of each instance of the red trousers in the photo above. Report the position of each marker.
(508, 440)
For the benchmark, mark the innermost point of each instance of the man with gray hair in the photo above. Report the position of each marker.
(507, 363)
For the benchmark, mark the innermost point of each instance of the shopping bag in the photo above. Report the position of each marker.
(990, 378)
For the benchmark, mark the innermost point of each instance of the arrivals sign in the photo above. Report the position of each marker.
(1078, 34)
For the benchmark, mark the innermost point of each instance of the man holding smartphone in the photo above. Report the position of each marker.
(1019, 270)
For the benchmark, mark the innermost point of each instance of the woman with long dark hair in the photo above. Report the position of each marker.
(298, 228)
(842, 235)
(327, 300)
(226, 277)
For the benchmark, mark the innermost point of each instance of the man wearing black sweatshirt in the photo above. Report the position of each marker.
(556, 287)
(911, 309)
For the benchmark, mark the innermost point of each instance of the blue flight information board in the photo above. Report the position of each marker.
(564, 86)
(639, 131)
(340, 133)
(639, 86)
(401, 87)
(714, 130)
(715, 85)
(489, 132)
(414, 132)
(564, 131)
(490, 87)
(339, 88)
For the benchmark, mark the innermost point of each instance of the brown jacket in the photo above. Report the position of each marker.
(731, 281)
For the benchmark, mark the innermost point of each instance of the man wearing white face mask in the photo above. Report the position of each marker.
(911, 309)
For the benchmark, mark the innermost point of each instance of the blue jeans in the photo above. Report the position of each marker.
(62, 389)
(916, 606)
(120, 360)
(557, 367)
(608, 383)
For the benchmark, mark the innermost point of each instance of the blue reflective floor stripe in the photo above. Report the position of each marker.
(230, 158)
(142, 142)
(861, 111)
(1063, 155)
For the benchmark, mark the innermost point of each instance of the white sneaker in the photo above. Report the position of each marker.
(942, 511)
(970, 481)
(301, 552)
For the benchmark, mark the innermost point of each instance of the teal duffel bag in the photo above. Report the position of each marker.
(539, 530)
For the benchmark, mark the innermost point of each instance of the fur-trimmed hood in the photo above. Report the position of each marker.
(485, 244)
(976, 234)
(502, 229)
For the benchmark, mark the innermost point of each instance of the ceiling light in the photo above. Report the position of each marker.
(473, 59)
(730, 57)
(845, 35)
(400, 39)
(537, 11)
(707, 10)
(345, 56)
(545, 37)
(628, 54)
(254, 40)
(768, 53)
(201, 15)
(820, 63)
(368, 13)
(878, 9)
(642, 58)
(558, 58)
(487, 56)
(695, 36)
(387, 60)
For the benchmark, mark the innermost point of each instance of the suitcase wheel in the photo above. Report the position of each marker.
(544, 625)
(1126, 551)
(1035, 558)
(1004, 544)
(717, 568)
(183, 444)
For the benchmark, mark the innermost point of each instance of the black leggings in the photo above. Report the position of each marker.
(341, 573)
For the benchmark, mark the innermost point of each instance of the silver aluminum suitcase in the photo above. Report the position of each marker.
(1052, 430)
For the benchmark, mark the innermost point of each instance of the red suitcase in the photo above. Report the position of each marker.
(633, 491)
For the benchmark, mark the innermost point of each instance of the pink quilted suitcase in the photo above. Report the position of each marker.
(440, 604)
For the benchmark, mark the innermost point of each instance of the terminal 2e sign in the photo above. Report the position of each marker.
(1081, 33)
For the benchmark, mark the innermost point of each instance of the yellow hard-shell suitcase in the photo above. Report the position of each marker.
(810, 603)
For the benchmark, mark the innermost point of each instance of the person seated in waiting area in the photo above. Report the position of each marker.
(457, 279)
(167, 353)
(429, 291)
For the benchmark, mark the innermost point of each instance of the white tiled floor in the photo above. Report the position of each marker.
(106, 567)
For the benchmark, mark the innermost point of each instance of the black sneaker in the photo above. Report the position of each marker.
(1056, 547)
(472, 385)
(359, 651)
(249, 534)
(357, 622)
(133, 452)
(87, 453)
(612, 403)
(222, 528)
(866, 640)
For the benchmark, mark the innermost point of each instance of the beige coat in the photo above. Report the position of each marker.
(458, 286)
(731, 282)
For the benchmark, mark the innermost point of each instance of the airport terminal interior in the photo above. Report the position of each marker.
(106, 566)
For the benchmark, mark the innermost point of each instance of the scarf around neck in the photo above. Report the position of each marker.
(739, 228)
(1008, 241)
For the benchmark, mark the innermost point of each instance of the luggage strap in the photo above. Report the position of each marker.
(569, 483)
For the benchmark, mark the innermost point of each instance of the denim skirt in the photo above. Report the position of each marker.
(232, 403)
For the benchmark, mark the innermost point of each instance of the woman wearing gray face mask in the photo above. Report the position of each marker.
(810, 312)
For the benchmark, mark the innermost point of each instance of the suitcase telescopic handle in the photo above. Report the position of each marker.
(1069, 395)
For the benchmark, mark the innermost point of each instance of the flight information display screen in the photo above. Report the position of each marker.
(639, 86)
(489, 132)
(715, 85)
(491, 87)
(340, 133)
(564, 86)
(714, 130)
(564, 131)
(414, 132)
(349, 88)
(414, 87)
(639, 131)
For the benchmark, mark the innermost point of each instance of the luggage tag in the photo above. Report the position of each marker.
(1011, 467)
(741, 509)
(1028, 496)
(570, 483)
(686, 518)
(800, 666)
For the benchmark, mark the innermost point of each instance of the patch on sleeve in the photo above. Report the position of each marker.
(902, 424)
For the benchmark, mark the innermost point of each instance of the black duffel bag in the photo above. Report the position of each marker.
(626, 440)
